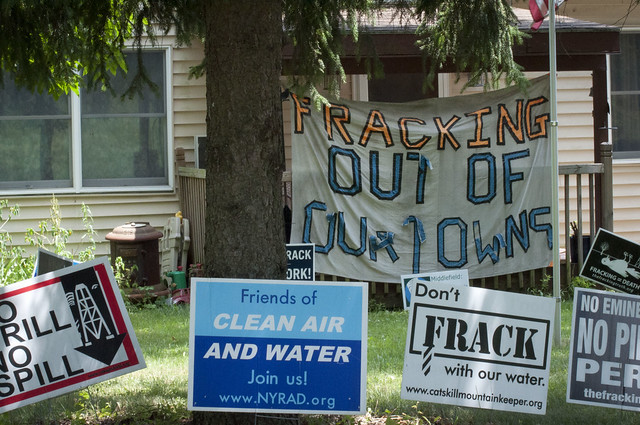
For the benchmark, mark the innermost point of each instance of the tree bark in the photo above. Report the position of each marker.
(245, 149)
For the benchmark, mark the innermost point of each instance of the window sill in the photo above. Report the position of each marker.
(624, 161)
(87, 190)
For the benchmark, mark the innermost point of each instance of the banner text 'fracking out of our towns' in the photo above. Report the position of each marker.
(386, 189)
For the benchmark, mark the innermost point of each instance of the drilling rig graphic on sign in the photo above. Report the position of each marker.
(94, 321)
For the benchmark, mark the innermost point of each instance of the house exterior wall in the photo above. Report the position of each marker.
(626, 173)
(110, 210)
(189, 100)
(610, 12)
(189, 111)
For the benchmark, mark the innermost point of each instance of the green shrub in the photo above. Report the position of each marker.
(544, 289)
(51, 235)
(16, 264)
(576, 282)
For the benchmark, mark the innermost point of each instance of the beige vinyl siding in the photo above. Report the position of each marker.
(626, 200)
(575, 140)
(626, 174)
(575, 119)
(189, 100)
(108, 211)
(611, 12)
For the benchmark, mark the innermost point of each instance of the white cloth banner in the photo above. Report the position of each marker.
(386, 189)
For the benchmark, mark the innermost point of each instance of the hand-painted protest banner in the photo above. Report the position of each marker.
(604, 356)
(63, 331)
(278, 346)
(388, 189)
(480, 348)
(301, 262)
(421, 282)
(613, 261)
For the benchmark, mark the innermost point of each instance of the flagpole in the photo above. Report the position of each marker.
(553, 134)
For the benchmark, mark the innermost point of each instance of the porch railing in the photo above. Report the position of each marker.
(595, 204)
(600, 206)
(191, 187)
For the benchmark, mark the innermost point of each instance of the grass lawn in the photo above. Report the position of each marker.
(158, 394)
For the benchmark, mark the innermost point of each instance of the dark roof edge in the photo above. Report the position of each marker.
(387, 25)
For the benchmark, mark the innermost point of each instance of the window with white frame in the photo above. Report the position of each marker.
(87, 141)
(35, 139)
(625, 97)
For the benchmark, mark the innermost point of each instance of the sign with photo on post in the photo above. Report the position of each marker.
(613, 261)
(278, 346)
(479, 348)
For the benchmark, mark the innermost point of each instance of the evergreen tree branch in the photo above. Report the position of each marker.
(475, 35)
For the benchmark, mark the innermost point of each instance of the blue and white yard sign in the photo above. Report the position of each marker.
(278, 346)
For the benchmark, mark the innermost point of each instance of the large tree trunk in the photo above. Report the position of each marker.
(245, 148)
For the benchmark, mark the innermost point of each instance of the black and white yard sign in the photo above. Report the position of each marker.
(301, 261)
(604, 358)
(63, 331)
(477, 347)
(614, 261)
